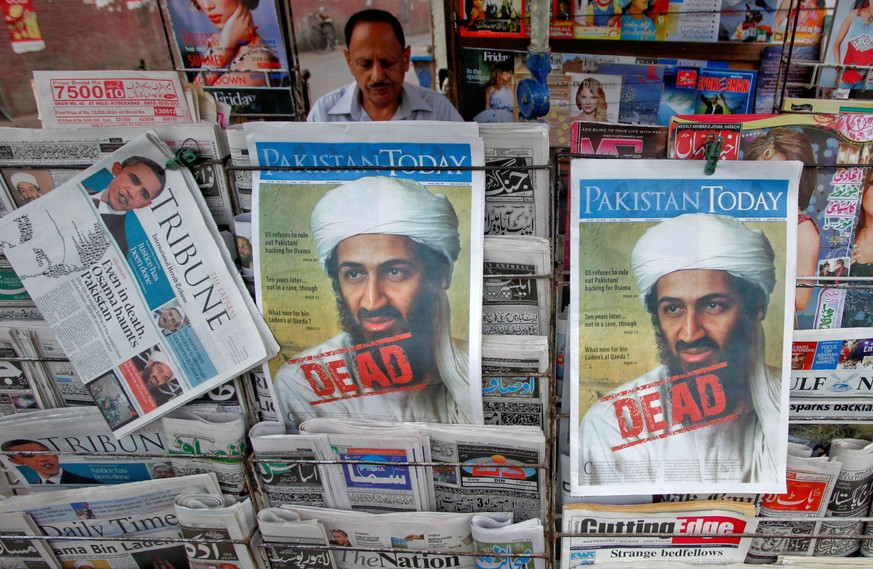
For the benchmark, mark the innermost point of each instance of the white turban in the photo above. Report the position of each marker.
(390, 206)
(22, 177)
(703, 241)
(159, 357)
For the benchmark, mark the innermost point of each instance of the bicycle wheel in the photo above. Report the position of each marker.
(317, 40)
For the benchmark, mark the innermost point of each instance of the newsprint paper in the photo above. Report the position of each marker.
(697, 401)
(153, 329)
(371, 280)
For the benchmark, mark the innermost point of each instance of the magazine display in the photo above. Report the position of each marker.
(141, 510)
(479, 18)
(214, 517)
(667, 532)
(516, 299)
(496, 537)
(517, 195)
(489, 86)
(136, 284)
(626, 141)
(697, 402)
(190, 431)
(88, 99)
(377, 356)
(833, 239)
(86, 451)
(36, 161)
(23, 552)
(509, 396)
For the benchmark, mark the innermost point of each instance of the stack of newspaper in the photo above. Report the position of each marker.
(374, 466)
(227, 523)
(509, 396)
(126, 265)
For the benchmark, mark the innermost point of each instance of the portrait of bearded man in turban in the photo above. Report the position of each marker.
(710, 411)
(389, 247)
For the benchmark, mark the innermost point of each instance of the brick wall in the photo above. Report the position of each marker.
(82, 36)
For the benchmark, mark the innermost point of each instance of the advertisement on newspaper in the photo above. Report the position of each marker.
(144, 511)
(124, 267)
(371, 280)
(696, 402)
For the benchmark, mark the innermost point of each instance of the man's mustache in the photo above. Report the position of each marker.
(701, 343)
(383, 312)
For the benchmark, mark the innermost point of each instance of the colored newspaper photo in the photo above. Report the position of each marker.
(371, 280)
(126, 266)
(696, 402)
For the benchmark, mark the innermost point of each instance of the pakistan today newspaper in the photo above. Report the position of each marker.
(416, 306)
(698, 425)
(152, 329)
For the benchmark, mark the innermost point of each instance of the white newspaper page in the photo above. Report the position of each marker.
(680, 324)
(498, 538)
(130, 274)
(411, 234)
(216, 517)
(139, 509)
(87, 99)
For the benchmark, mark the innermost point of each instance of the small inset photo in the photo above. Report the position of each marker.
(27, 185)
(111, 400)
(170, 317)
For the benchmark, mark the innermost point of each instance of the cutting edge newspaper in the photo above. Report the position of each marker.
(684, 527)
(302, 219)
(641, 435)
(142, 510)
(142, 301)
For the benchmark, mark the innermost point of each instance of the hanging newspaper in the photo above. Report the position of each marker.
(699, 403)
(129, 271)
(400, 248)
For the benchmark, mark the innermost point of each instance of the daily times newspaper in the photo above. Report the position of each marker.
(678, 329)
(142, 510)
(371, 279)
(127, 268)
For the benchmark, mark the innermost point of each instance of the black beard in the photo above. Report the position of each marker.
(419, 347)
(736, 353)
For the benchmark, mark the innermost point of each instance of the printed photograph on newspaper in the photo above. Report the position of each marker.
(128, 273)
(371, 280)
(680, 325)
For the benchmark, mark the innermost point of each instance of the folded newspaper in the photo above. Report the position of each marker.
(218, 519)
(141, 510)
(126, 266)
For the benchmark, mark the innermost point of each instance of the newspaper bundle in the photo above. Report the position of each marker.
(693, 532)
(217, 517)
(74, 446)
(810, 483)
(393, 335)
(284, 533)
(438, 537)
(698, 401)
(85, 99)
(850, 498)
(214, 441)
(832, 376)
(136, 284)
(23, 552)
(138, 509)
(36, 161)
(497, 537)
(517, 190)
(516, 297)
(508, 396)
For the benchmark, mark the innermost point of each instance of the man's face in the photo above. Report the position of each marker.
(163, 472)
(132, 188)
(379, 63)
(700, 313)
(170, 320)
(47, 465)
(28, 191)
(380, 278)
(340, 537)
(159, 374)
(797, 360)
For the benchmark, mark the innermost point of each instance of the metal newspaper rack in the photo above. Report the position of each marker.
(561, 160)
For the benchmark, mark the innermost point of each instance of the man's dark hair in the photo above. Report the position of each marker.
(750, 294)
(20, 442)
(152, 165)
(374, 16)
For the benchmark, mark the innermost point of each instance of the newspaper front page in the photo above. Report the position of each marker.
(696, 402)
(129, 272)
(371, 280)
(139, 509)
